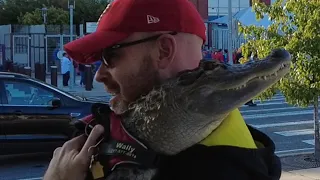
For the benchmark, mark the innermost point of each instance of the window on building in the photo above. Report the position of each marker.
(21, 45)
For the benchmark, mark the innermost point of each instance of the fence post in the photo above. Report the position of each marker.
(15, 67)
(37, 70)
(43, 73)
(88, 77)
(27, 71)
(54, 75)
(21, 69)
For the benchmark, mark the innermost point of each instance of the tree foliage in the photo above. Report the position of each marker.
(12, 11)
(296, 27)
(89, 10)
(55, 16)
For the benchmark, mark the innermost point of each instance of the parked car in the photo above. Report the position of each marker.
(35, 116)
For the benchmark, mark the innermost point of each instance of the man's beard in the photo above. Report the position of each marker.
(140, 84)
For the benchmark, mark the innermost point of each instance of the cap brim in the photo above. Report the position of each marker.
(88, 48)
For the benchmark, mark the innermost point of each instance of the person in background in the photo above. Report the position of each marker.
(206, 54)
(226, 57)
(55, 57)
(239, 55)
(66, 66)
(9, 97)
(217, 55)
(234, 57)
(96, 66)
(81, 69)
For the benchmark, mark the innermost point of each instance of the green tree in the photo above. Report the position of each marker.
(55, 16)
(11, 11)
(85, 10)
(88, 10)
(296, 27)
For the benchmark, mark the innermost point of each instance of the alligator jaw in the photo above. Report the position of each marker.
(225, 88)
(264, 78)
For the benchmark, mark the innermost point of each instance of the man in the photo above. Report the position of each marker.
(143, 43)
(65, 69)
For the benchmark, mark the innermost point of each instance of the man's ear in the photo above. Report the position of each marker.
(167, 46)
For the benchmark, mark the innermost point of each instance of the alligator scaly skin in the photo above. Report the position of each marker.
(186, 109)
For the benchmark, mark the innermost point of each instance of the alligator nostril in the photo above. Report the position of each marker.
(279, 54)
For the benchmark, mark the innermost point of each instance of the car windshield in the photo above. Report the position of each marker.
(61, 91)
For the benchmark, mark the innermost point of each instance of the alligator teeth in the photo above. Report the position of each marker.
(276, 74)
(265, 77)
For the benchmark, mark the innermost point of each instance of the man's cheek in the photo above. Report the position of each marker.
(131, 93)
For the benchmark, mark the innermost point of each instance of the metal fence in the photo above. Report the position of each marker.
(220, 39)
(29, 45)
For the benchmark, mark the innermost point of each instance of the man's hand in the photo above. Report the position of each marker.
(72, 160)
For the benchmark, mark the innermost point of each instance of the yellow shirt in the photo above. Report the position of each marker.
(233, 131)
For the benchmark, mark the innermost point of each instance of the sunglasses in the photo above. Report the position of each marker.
(108, 53)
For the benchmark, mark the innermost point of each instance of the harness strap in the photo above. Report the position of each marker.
(119, 147)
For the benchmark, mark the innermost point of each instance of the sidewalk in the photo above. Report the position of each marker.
(300, 167)
(304, 174)
(97, 90)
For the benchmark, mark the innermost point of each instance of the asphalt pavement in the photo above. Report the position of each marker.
(291, 128)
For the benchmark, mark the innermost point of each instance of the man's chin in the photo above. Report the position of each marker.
(118, 105)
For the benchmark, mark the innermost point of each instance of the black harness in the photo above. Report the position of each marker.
(118, 147)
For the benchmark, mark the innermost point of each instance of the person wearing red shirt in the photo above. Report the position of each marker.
(217, 55)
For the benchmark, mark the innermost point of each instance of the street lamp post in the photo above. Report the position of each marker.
(71, 5)
(42, 63)
(230, 59)
(44, 15)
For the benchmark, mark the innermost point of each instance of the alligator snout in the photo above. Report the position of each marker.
(280, 54)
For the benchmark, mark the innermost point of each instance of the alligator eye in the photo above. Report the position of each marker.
(189, 77)
(210, 65)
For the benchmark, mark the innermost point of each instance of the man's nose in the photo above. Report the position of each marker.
(102, 74)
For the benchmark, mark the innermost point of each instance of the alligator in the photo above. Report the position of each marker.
(175, 115)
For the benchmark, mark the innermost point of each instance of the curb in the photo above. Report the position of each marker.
(283, 155)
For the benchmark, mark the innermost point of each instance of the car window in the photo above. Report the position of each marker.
(23, 93)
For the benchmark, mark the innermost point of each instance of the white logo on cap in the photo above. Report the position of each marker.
(152, 19)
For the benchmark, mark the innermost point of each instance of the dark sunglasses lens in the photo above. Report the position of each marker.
(104, 61)
(107, 57)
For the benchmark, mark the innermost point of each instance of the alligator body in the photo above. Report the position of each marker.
(186, 109)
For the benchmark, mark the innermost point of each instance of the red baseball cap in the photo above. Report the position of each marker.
(121, 18)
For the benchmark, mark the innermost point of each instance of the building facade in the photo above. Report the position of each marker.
(220, 7)
(202, 7)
